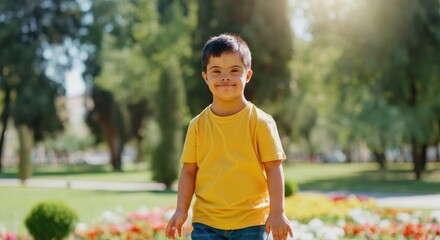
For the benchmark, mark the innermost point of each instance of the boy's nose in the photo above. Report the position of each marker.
(225, 77)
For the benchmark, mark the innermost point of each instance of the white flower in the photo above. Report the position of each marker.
(301, 231)
(384, 223)
(315, 224)
(110, 217)
(403, 217)
(341, 222)
(363, 217)
(81, 227)
(304, 236)
(330, 233)
(435, 216)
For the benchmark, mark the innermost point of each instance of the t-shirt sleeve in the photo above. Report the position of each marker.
(269, 142)
(189, 154)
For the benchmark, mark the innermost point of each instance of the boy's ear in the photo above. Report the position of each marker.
(249, 75)
(204, 76)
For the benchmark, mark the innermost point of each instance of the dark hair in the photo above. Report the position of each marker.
(226, 42)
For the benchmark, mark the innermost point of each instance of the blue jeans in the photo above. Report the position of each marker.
(205, 232)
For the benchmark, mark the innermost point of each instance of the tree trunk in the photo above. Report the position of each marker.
(347, 151)
(423, 156)
(114, 143)
(5, 117)
(437, 146)
(116, 153)
(140, 150)
(380, 159)
(25, 139)
(311, 150)
(417, 160)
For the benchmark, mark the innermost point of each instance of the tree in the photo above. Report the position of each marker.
(171, 99)
(107, 120)
(172, 39)
(259, 22)
(30, 32)
(113, 46)
(144, 36)
(387, 73)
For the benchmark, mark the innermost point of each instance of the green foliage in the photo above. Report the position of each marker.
(51, 220)
(35, 38)
(134, 40)
(272, 75)
(266, 28)
(171, 103)
(290, 188)
(373, 71)
(28, 32)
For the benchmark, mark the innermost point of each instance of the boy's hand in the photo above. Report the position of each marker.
(175, 224)
(279, 225)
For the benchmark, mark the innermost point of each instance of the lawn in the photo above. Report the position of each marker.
(16, 202)
(363, 177)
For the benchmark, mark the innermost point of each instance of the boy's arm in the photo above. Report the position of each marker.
(185, 192)
(277, 221)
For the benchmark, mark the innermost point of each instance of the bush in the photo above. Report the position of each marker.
(51, 220)
(290, 189)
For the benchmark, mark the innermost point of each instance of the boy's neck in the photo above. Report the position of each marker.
(223, 109)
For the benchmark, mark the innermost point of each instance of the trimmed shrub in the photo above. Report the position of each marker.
(290, 188)
(51, 220)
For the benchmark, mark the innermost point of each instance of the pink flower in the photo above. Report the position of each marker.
(9, 236)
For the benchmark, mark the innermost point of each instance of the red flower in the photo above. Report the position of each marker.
(135, 229)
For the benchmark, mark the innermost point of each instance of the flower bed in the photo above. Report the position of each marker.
(313, 217)
(357, 217)
(142, 224)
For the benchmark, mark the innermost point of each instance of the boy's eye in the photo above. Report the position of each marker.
(235, 70)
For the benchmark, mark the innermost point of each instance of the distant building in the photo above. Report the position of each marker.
(76, 110)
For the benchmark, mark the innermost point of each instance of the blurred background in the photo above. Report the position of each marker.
(115, 82)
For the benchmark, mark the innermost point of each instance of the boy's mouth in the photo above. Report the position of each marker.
(225, 85)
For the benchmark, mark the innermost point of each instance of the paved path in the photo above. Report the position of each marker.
(85, 184)
(398, 200)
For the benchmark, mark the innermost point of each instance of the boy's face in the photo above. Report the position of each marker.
(227, 76)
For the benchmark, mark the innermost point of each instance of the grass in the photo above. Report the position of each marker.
(16, 202)
(131, 173)
(363, 177)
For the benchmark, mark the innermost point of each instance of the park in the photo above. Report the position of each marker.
(353, 87)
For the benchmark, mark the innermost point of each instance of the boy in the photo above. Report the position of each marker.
(232, 157)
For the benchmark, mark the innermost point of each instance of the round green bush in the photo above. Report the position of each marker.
(51, 220)
(290, 189)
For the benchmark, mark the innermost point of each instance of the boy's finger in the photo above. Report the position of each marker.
(290, 232)
(275, 234)
(170, 230)
(267, 228)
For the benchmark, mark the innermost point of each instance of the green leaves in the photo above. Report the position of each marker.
(379, 87)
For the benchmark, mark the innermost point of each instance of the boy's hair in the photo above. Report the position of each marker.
(226, 42)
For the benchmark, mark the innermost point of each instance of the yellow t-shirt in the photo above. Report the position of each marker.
(231, 188)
